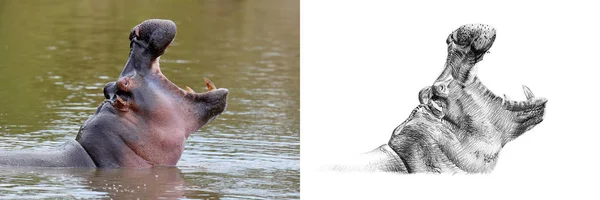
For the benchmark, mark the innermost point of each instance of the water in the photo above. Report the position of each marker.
(56, 56)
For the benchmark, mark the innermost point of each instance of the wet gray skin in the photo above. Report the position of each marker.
(145, 118)
(460, 126)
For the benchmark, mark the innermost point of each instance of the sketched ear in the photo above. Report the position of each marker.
(425, 95)
(466, 47)
(157, 34)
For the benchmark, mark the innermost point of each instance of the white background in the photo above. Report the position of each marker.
(364, 62)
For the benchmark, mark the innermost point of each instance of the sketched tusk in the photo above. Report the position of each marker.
(189, 89)
(437, 107)
(209, 84)
(528, 92)
(506, 100)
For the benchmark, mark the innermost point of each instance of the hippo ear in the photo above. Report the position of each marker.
(466, 47)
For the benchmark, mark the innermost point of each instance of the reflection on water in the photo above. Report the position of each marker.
(160, 182)
(56, 56)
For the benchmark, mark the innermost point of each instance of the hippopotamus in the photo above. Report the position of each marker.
(144, 119)
(459, 126)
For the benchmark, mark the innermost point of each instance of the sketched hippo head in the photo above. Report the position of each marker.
(460, 125)
(145, 118)
(459, 97)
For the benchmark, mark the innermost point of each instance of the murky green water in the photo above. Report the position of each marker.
(56, 56)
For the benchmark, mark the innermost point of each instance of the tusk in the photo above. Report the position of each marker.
(439, 110)
(209, 84)
(528, 92)
(120, 104)
(189, 89)
(506, 100)
(436, 106)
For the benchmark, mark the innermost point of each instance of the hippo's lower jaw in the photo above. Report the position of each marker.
(428, 144)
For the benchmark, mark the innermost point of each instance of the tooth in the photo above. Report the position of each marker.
(506, 98)
(506, 101)
(528, 92)
(209, 84)
(119, 103)
(438, 108)
(189, 89)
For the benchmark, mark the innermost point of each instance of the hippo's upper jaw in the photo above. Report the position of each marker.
(145, 118)
(466, 123)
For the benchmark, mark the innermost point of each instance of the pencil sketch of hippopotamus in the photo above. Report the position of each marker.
(460, 126)
(144, 119)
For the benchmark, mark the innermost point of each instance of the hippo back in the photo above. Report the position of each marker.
(69, 154)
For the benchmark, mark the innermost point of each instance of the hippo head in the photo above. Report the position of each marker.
(145, 118)
(462, 102)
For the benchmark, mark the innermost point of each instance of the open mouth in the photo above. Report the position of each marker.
(466, 47)
(439, 106)
(118, 96)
